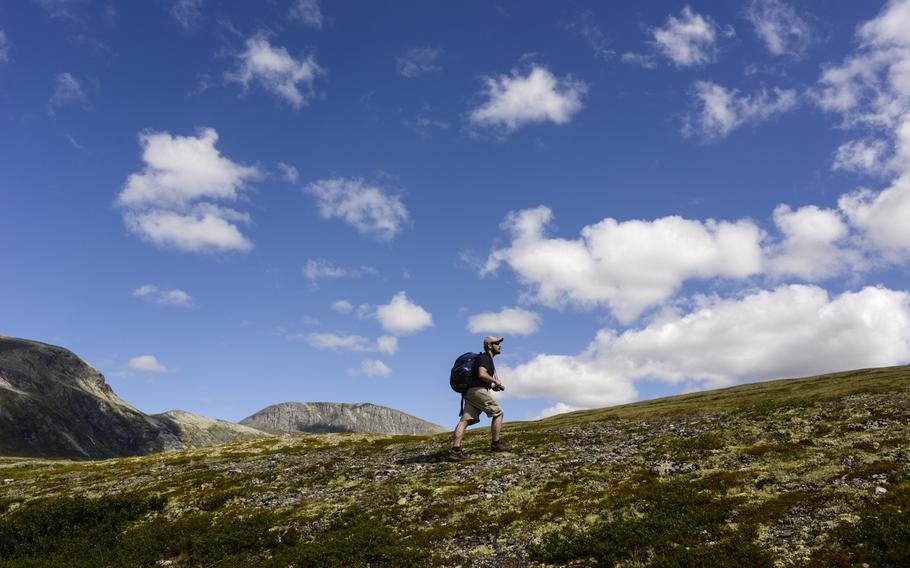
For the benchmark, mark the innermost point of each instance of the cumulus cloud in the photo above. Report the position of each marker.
(723, 110)
(688, 40)
(372, 210)
(872, 86)
(307, 12)
(783, 31)
(169, 203)
(790, 331)
(508, 321)
(402, 316)
(355, 343)
(147, 364)
(4, 47)
(418, 61)
(867, 156)
(814, 244)
(154, 294)
(67, 91)
(343, 306)
(371, 368)
(187, 12)
(871, 90)
(882, 217)
(516, 100)
(626, 266)
(277, 71)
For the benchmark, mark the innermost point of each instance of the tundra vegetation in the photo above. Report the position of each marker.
(804, 472)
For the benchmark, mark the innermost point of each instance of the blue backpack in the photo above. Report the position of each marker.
(462, 371)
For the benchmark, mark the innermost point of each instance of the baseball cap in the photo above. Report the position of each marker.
(490, 339)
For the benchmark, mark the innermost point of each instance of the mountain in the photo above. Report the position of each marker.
(196, 430)
(807, 473)
(53, 404)
(321, 417)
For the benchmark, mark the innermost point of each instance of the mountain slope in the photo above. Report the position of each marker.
(320, 417)
(54, 404)
(805, 473)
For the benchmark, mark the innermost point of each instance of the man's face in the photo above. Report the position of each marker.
(496, 348)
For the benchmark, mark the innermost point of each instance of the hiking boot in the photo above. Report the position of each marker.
(499, 447)
(456, 454)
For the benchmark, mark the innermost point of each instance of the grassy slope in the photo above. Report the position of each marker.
(803, 472)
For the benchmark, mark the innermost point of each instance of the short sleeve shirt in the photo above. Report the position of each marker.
(486, 361)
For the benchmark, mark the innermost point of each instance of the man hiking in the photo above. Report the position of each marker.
(478, 399)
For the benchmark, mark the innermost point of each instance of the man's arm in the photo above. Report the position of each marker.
(484, 376)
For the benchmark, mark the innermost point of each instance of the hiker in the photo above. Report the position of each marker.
(478, 399)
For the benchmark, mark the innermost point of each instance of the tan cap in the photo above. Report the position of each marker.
(489, 340)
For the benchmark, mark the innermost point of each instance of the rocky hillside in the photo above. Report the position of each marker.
(54, 404)
(324, 417)
(804, 473)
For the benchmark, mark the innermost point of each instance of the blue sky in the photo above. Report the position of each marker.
(226, 205)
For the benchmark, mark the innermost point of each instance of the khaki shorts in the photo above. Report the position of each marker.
(477, 400)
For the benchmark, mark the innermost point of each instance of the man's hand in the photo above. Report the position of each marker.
(497, 385)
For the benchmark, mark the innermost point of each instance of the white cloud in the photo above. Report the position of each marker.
(871, 90)
(688, 40)
(813, 245)
(872, 87)
(354, 343)
(147, 364)
(515, 100)
(67, 90)
(882, 217)
(401, 316)
(626, 266)
(558, 408)
(307, 12)
(314, 269)
(646, 61)
(289, 172)
(187, 12)
(370, 209)
(182, 169)
(508, 321)
(371, 368)
(418, 61)
(723, 110)
(343, 306)
(866, 156)
(276, 71)
(151, 293)
(193, 232)
(4, 47)
(162, 202)
(387, 344)
(790, 331)
(778, 25)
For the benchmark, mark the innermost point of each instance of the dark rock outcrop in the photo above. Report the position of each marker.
(319, 417)
(55, 405)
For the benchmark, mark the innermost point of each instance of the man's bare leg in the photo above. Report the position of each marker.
(496, 428)
(459, 431)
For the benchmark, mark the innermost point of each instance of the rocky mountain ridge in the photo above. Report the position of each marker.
(323, 417)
